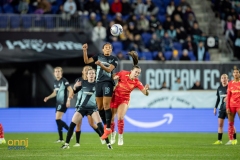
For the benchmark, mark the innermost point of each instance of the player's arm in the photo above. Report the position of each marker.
(85, 56)
(228, 98)
(54, 93)
(110, 68)
(216, 105)
(145, 90)
(77, 86)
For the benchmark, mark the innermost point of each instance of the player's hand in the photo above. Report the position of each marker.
(68, 103)
(116, 77)
(85, 47)
(225, 99)
(214, 111)
(77, 84)
(228, 111)
(46, 99)
(147, 87)
(98, 63)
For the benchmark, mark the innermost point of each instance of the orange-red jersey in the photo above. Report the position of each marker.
(233, 94)
(126, 85)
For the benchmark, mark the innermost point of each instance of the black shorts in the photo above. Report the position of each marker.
(104, 89)
(86, 112)
(222, 114)
(61, 108)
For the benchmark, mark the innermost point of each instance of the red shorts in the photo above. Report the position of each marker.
(116, 101)
(234, 109)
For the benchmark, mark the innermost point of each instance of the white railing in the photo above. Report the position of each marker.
(33, 22)
(3, 91)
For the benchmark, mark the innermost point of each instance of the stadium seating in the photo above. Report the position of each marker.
(15, 21)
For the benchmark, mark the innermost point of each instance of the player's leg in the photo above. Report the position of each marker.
(95, 128)
(78, 133)
(231, 117)
(2, 140)
(101, 111)
(77, 117)
(220, 129)
(113, 134)
(95, 116)
(59, 125)
(107, 97)
(122, 109)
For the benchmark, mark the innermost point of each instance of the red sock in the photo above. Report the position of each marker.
(112, 126)
(1, 131)
(120, 126)
(230, 130)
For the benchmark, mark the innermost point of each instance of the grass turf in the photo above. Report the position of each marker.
(137, 146)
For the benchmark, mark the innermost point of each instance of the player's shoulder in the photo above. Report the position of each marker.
(65, 81)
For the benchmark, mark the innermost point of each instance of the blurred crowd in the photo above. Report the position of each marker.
(229, 13)
(158, 29)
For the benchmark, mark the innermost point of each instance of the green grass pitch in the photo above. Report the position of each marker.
(137, 146)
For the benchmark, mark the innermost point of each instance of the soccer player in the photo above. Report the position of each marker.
(127, 82)
(87, 106)
(76, 89)
(106, 63)
(221, 95)
(61, 87)
(233, 103)
(2, 140)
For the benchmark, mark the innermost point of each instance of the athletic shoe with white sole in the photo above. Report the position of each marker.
(102, 141)
(120, 139)
(113, 137)
(218, 142)
(59, 141)
(109, 146)
(76, 145)
(2, 141)
(65, 146)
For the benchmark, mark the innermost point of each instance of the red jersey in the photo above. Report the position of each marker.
(126, 85)
(233, 94)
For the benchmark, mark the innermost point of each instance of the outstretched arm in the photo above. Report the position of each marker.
(54, 93)
(85, 56)
(145, 90)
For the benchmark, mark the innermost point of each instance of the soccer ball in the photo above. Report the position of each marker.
(116, 30)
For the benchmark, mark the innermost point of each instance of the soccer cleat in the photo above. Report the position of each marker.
(76, 145)
(106, 133)
(230, 142)
(235, 141)
(2, 141)
(120, 139)
(218, 142)
(102, 141)
(65, 146)
(109, 146)
(113, 136)
(59, 141)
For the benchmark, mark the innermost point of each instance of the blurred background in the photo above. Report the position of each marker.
(184, 46)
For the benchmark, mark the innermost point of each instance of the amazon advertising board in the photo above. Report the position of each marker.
(174, 99)
(208, 73)
(136, 120)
